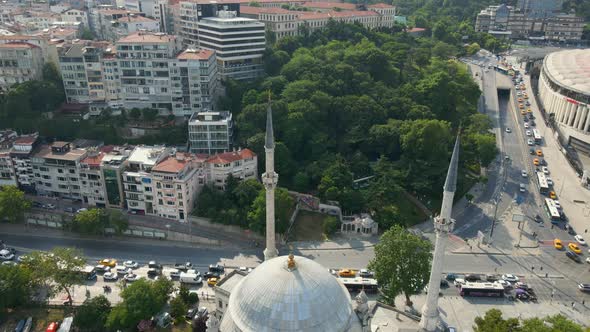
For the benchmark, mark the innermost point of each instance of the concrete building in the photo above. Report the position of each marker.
(20, 154)
(7, 173)
(564, 92)
(509, 22)
(138, 185)
(56, 170)
(19, 62)
(92, 185)
(241, 164)
(113, 165)
(540, 8)
(75, 15)
(164, 13)
(132, 23)
(199, 80)
(102, 19)
(210, 132)
(191, 12)
(238, 42)
(178, 180)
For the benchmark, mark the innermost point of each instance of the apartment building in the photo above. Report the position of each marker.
(21, 152)
(113, 164)
(164, 13)
(75, 15)
(7, 174)
(138, 186)
(210, 132)
(241, 164)
(102, 19)
(178, 179)
(19, 62)
(36, 20)
(191, 12)
(81, 68)
(197, 70)
(540, 8)
(130, 24)
(238, 42)
(48, 48)
(509, 22)
(56, 170)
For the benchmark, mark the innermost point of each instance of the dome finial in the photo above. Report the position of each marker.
(291, 262)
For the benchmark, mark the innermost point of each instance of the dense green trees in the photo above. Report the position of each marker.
(13, 204)
(494, 322)
(94, 221)
(17, 286)
(92, 315)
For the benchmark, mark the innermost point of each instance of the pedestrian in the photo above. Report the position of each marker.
(583, 302)
(586, 230)
(541, 268)
(533, 268)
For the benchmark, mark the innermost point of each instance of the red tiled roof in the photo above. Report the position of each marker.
(135, 18)
(173, 164)
(329, 5)
(228, 157)
(334, 14)
(380, 5)
(25, 140)
(93, 160)
(262, 10)
(195, 54)
(146, 37)
(18, 45)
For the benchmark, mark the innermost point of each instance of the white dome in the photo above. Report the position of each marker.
(274, 298)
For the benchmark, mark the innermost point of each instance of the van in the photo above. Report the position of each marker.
(190, 278)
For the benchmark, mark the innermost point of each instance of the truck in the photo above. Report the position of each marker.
(190, 278)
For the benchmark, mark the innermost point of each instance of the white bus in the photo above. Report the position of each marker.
(552, 210)
(543, 185)
(537, 136)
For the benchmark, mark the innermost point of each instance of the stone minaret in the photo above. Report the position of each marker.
(270, 179)
(443, 225)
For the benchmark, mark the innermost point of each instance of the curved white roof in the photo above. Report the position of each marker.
(570, 69)
(274, 298)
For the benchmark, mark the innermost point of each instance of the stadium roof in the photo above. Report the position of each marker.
(570, 69)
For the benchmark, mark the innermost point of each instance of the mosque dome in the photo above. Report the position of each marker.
(289, 294)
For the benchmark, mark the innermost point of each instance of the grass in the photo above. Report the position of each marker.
(409, 211)
(308, 226)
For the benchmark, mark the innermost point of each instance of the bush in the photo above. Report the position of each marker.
(331, 225)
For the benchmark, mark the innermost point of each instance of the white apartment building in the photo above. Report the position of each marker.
(19, 62)
(210, 132)
(48, 49)
(92, 186)
(192, 11)
(113, 164)
(137, 181)
(36, 20)
(178, 180)
(241, 164)
(144, 6)
(75, 15)
(239, 44)
(130, 24)
(7, 173)
(102, 19)
(56, 170)
(20, 154)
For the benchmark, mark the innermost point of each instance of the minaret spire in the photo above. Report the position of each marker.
(270, 180)
(443, 225)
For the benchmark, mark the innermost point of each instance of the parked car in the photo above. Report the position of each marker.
(545, 169)
(154, 265)
(81, 210)
(183, 266)
(131, 277)
(131, 264)
(69, 209)
(108, 262)
(6, 255)
(210, 274)
(504, 284)
(216, 268)
(492, 277)
(110, 276)
(37, 204)
(557, 244)
(49, 206)
(580, 239)
(366, 273)
(584, 287)
(451, 276)
(212, 281)
(347, 273)
(152, 272)
(530, 143)
(102, 268)
(549, 182)
(122, 269)
(174, 273)
(510, 278)
(472, 277)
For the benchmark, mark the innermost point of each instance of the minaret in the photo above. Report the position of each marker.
(270, 179)
(443, 225)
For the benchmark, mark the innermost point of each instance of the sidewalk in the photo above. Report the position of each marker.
(340, 243)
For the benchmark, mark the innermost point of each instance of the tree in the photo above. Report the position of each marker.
(283, 207)
(141, 300)
(17, 286)
(117, 220)
(58, 269)
(186, 296)
(135, 113)
(149, 114)
(92, 315)
(178, 309)
(87, 34)
(494, 322)
(92, 222)
(50, 73)
(331, 225)
(472, 48)
(401, 263)
(13, 203)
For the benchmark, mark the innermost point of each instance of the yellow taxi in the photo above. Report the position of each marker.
(347, 273)
(557, 244)
(574, 247)
(522, 112)
(212, 282)
(552, 195)
(108, 262)
(539, 153)
(536, 161)
(521, 106)
(529, 111)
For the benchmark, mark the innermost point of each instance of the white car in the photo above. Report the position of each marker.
(545, 169)
(549, 182)
(174, 273)
(522, 188)
(81, 210)
(524, 173)
(131, 264)
(526, 125)
(519, 94)
(530, 142)
(459, 281)
(121, 269)
(131, 277)
(580, 240)
(510, 278)
(508, 130)
(6, 255)
(110, 276)
(528, 132)
(557, 204)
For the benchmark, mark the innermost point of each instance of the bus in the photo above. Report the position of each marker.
(501, 69)
(543, 185)
(537, 136)
(482, 289)
(88, 272)
(357, 284)
(552, 210)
